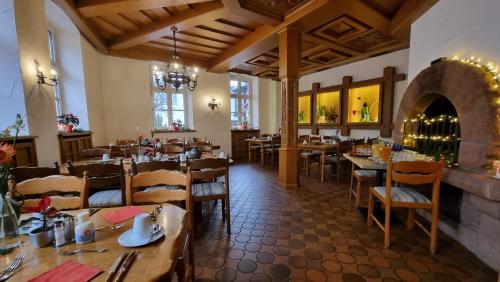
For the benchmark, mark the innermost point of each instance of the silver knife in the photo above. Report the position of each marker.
(126, 265)
(112, 270)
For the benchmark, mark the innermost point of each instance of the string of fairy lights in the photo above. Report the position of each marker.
(434, 128)
(490, 68)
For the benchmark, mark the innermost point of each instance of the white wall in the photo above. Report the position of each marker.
(450, 28)
(69, 63)
(269, 96)
(11, 86)
(31, 29)
(362, 70)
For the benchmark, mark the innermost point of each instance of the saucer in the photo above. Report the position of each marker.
(127, 240)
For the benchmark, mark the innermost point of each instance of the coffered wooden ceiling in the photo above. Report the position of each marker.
(241, 35)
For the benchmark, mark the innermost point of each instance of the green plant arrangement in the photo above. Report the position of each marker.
(331, 115)
(321, 114)
(302, 117)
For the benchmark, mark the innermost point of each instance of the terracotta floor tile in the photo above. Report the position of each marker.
(313, 233)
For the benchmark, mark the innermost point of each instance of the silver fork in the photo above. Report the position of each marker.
(110, 227)
(7, 273)
(69, 253)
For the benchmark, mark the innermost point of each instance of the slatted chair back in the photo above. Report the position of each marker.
(134, 183)
(204, 148)
(53, 186)
(22, 173)
(93, 153)
(125, 142)
(154, 165)
(175, 140)
(101, 176)
(276, 141)
(265, 135)
(201, 140)
(171, 149)
(314, 138)
(415, 172)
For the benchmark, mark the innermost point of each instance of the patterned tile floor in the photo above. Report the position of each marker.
(314, 233)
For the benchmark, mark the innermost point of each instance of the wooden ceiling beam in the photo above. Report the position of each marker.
(185, 20)
(327, 43)
(93, 8)
(233, 7)
(408, 12)
(155, 54)
(85, 27)
(261, 40)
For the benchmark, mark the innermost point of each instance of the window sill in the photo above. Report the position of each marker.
(172, 131)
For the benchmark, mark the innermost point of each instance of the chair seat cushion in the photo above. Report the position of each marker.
(161, 187)
(404, 194)
(206, 189)
(108, 198)
(310, 154)
(365, 173)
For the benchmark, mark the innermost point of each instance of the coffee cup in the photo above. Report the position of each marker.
(105, 157)
(143, 226)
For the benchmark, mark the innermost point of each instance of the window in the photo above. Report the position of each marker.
(169, 106)
(57, 92)
(240, 100)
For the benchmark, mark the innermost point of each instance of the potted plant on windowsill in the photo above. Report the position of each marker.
(43, 235)
(178, 125)
(66, 122)
(244, 125)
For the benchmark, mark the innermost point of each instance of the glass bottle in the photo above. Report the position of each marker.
(9, 225)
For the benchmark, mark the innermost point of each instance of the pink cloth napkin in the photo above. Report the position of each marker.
(122, 214)
(68, 271)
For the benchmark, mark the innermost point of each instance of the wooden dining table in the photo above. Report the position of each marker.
(262, 142)
(154, 262)
(323, 149)
(369, 164)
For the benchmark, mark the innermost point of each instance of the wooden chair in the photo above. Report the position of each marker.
(23, 173)
(94, 153)
(205, 148)
(56, 187)
(411, 174)
(310, 157)
(106, 183)
(135, 196)
(273, 150)
(171, 149)
(116, 151)
(338, 161)
(364, 180)
(207, 170)
(125, 142)
(154, 165)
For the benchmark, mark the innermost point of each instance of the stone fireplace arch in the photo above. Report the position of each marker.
(470, 91)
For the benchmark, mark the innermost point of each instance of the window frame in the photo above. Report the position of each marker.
(239, 98)
(53, 64)
(169, 92)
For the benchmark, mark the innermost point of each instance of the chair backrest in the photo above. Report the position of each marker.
(314, 138)
(265, 135)
(121, 142)
(415, 173)
(175, 140)
(154, 165)
(33, 189)
(303, 138)
(276, 141)
(134, 183)
(171, 149)
(201, 140)
(204, 148)
(343, 147)
(94, 153)
(22, 173)
(209, 169)
(101, 176)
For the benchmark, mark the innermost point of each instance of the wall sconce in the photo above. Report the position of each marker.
(41, 76)
(213, 104)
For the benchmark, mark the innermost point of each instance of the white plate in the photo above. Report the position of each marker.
(127, 240)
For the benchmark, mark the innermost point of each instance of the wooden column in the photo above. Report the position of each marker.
(315, 89)
(344, 96)
(289, 65)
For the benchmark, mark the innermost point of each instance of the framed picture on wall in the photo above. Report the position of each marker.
(364, 104)
(304, 113)
(328, 107)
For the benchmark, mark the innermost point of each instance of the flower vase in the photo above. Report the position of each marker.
(9, 225)
(69, 128)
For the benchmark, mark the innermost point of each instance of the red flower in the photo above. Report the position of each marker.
(7, 151)
(41, 207)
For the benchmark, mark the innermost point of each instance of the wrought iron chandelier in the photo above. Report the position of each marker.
(175, 73)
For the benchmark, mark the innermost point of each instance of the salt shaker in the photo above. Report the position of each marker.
(59, 233)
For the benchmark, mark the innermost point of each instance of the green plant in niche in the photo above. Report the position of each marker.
(331, 115)
(302, 117)
(321, 114)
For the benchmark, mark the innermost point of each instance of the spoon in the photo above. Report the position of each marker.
(69, 253)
